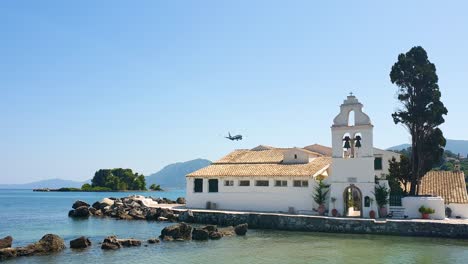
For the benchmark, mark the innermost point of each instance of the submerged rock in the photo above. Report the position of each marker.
(6, 242)
(81, 242)
(200, 234)
(79, 204)
(111, 243)
(227, 231)
(47, 244)
(177, 231)
(241, 229)
(153, 241)
(7, 253)
(82, 211)
(129, 242)
(215, 235)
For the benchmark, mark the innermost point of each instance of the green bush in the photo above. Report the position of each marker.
(426, 210)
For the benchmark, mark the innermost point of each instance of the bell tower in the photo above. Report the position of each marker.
(352, 176)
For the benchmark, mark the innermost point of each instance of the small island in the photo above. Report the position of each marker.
(110, 180)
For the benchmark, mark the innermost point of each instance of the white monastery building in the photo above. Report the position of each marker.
(284, 179)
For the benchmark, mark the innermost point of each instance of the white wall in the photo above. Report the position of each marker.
(254, 198)
(386, 156)
(412, 204)
(460, 210)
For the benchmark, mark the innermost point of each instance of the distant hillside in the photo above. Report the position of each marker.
(51, 184)
(455, 146)
(173, 175)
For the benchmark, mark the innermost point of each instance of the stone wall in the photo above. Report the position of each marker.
(428, 228)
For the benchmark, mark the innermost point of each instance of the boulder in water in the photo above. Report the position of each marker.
(153, 241)
(79, 204)
(81, 242)
(82, 211)
(7, 253)
(181, 200)
(177, 231)
(48, 244)
(241, 229)
(6, 242)
(215, 235)
(110, 242)
(200, 234)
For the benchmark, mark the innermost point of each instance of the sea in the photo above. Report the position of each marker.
(28, 215)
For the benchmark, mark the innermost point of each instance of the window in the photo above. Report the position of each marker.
(213, 185)
(262, 183)
(281, 183)
(228, 183)
(198, 185)
(244, 183)
(301, 183)
(295, 156)
(378, 164)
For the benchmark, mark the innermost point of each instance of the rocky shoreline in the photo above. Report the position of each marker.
(51, 243)
(128, 208)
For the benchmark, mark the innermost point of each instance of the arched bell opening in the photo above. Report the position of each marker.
(347, 146)
(352, 197)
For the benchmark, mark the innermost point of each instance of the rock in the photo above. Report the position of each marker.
(210, 228)
(241, 229)
(199, 234)
(153, 241)
(181, 200)
(215, 235)
(98, 213)
(81, 242)
(48, 244)
(129, 242)
(97, 205)
(161, 218)
(110, 243)
(81, 211)
(6, 242)
(92, 210)
(7, 253)
(177, 231)
(125, 216)
(167, 238)
(79, 204)
(227, 231)
(107, 202)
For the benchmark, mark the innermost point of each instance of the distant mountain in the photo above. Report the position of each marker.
(50, 183)
(173, 175)
(455, 146)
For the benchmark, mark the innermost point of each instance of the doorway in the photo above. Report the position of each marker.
(352, 198)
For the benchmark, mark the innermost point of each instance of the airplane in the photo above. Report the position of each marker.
(236, 137)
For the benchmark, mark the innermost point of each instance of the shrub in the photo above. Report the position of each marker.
(426, 210)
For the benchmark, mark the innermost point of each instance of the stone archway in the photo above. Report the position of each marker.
(352, 200)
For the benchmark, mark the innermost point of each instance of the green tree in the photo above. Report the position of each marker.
(422, 111)
(155, 187)
(399, 174)
(118, 179)
(86, 187)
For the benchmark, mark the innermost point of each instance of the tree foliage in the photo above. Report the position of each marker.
(321, 192)
(399, 175)
(422, 111)
(381, 195)
(155, 187)
(118, 179)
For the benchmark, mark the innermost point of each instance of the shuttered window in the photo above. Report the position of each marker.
(213, 185)
(378, 164)
(198, 185)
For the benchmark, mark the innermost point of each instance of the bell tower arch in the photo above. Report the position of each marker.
(352, 156)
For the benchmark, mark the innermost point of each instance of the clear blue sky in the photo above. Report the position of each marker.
(140, 84)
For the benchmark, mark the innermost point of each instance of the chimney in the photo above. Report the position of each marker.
(456, 167)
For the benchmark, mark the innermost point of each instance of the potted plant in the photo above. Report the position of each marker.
(381, 197)
(371, 212)
(426, 211)
(320, 196)
(334, 211)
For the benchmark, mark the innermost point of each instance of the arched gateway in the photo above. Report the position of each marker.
(352, 197)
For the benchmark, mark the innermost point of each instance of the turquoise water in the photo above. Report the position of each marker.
(28, 215)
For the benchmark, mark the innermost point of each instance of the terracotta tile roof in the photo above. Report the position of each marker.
(243, 156)
(316, 165)
(324, 150)
(450, 185)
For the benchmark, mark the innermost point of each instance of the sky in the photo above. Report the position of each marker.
(86, 85)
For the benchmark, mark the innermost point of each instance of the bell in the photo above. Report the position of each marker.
(346, 144)
(358, 141)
